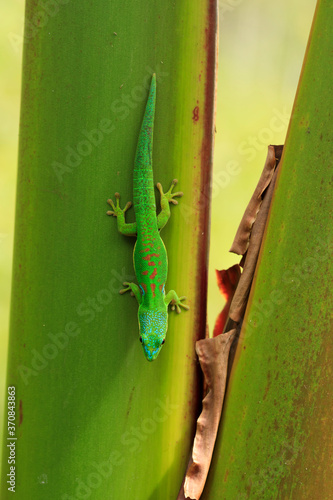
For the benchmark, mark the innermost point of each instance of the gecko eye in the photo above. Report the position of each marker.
(163, 341)
(140, 339)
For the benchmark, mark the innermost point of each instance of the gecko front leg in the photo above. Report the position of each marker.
(175, 301)
(166, 198)
(128, 229)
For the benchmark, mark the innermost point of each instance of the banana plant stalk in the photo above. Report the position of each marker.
(93, 418)
(275, 435)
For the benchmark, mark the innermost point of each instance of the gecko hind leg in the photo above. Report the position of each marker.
(175, 301)
(135, 290)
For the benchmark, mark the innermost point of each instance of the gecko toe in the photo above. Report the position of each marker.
(127, 206)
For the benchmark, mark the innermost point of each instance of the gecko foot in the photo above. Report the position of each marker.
(175, 303)
(116, 207)
(127, 289)
(169, 195)
(135, 290)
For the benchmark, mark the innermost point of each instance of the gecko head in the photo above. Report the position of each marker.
(153, 326)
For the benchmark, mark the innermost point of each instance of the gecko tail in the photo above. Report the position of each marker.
(144, 150)
(143, 181)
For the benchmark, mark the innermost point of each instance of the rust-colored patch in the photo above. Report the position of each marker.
(20, 412)
(203, 161)
(151, 263)
(153, 286)
(207, 119)
(130, 402)
(144, 273)
(195, 115)
(144, 286)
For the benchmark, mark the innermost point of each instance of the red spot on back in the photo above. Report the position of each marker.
(151, 263)
(159, 262)
(144, 273)
(153, 274)
(148, 257)
(161, 287)
(152, 286)
(144, 286)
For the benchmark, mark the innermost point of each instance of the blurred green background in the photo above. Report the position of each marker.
(262, 45)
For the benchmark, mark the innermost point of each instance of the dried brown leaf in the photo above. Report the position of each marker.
(239, 301)
(213, 355)
(241, 241)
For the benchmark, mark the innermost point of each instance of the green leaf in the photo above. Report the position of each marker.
(275, 435)
(94, 418)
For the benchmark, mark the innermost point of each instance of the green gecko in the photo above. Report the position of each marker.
(149, 256)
